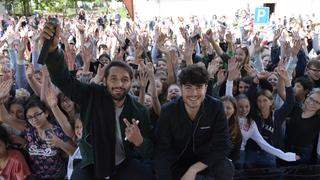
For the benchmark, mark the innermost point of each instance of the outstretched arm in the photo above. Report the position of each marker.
(59, 72)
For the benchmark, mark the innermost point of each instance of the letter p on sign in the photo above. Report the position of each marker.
(261, 16)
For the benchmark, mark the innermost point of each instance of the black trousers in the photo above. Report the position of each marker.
(129, 169)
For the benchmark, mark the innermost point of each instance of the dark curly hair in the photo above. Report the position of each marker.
(193, 74)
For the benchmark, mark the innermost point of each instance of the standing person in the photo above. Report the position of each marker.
(116, 128)
(193, 131)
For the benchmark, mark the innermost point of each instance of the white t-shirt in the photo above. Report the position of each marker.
(253, 133)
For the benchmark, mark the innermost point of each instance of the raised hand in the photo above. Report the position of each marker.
(188, 48)
(233, 69)
(263, 75)
(131, 35)
(229, 37)
(221, 76)
(277, 33)
(53, 140)
(283, 74)
(5, 87)
(294, 50)
(213, 68)
(247, 34)
(184, 33)
(100, 72)
(47, 34)
(250, 70)
(120, 37)
(257, 44)
(144, 40)
(30, 71)
(22, 47)
(285, 49)
(81, 27)
(143, 75)
(209, 35)
(87, 50)
(51, 97)
(161, 43)
(150, 71)
(44, 71)
(132, 132)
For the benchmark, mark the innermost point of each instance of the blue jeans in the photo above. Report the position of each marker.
(240, 162)
(259, 159)
(303, 151)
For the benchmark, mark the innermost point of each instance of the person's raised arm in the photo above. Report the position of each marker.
(233, 74)
(58, 69)
(52, 100)
(143, 80)
(216, 47)
(67, 146)
(256, 136)
(21, 78)
(281, 90)
(289, 101)
(98, 78)
(5, 87)
(35, 51)
(155, 100)
(33, 82)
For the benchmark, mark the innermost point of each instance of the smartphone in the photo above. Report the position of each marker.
(195, 38)
(238, 41)
(134, 66)
(48, 133)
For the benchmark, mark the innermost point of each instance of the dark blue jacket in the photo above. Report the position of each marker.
(210, 137)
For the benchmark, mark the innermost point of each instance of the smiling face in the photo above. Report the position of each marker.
(273, 80)
(174, 91)
(243, 87)
(148, 101)
(17, 111)
(240, 55)
(193, 95)
(313, 73)
(228, 108)
(37, 117)
(78, 128)
(244, 107)
(118, 83)
(264, 103)
(312, 103)
(67, 104)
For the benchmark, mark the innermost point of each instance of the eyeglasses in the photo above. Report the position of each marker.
(313, 100)
(35, 116)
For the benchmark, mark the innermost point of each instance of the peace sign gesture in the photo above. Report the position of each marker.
(132, 132)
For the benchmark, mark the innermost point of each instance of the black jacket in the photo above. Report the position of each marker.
(97, 145)
(210, 138)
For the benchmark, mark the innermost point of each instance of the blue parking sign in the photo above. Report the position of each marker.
(261, 15)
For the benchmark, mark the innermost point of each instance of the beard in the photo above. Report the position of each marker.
(118, 96)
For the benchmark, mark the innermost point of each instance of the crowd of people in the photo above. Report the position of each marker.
(171, 98)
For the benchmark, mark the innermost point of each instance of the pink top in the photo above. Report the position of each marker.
(16, 168)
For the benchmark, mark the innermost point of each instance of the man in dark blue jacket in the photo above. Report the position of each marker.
(193, 137)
